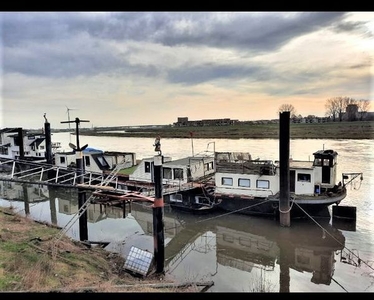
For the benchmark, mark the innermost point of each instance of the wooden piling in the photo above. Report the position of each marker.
(284, 168)
(48, 143)
(158, 211)
(21, 144)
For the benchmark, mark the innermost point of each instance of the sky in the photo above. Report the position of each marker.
(149, 68)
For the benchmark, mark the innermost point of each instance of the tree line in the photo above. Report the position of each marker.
(336, 107)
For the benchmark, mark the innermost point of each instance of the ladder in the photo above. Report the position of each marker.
(86, 204)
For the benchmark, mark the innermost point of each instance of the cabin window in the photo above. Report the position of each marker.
(226, 181)
(147, 167)
(208, 166)
(245, 242)
(303, 177)
(167, 172)
(263, 184)
(244, 182)
(326, 162)
(178, 174)
(317, 162)
(303, 259)
(87, 161)
(66, 208)
(176, 198)
(102, 161)
(62, 160)
(41, 147)
(228, 238)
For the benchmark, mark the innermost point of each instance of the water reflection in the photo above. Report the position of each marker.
(241, 243)
(245, 243)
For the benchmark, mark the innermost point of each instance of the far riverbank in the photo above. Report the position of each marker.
(331, 130)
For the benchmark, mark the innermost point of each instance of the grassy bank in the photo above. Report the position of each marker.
(32, 260)
(331, 130)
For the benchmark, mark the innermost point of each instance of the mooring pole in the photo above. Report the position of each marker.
(83, 229)
(48, 141)
(48, 145)
(20, 141)
(158, 211)
(284, 168)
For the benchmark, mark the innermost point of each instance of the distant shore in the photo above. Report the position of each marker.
(331, 130)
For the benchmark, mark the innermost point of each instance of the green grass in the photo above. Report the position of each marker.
(330, 130)
(127, 171)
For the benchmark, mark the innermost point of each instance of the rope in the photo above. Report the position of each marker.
(344, 247)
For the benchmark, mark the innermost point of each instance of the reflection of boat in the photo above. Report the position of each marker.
(247, 243)
(33, 193)
(194, 200)
(253, 186)
(305, 247)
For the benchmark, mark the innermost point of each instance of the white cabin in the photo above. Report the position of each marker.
(257, 178)
(95, 160)
(34, 145)
(175, 172)
(125, 159)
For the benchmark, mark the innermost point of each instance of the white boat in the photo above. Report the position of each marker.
(34, 145)
(182, 181)
(95, 160)
(252, 187)
(33, 148)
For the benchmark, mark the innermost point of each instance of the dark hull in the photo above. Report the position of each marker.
(195, 209)
(262, 207)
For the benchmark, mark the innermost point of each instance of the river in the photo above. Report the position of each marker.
(238, 253)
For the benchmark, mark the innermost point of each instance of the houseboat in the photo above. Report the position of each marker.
(252, 187)
(17, 143)
(182, 181)
(96, 160)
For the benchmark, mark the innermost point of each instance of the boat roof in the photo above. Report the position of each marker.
(325, 153)
(37, 142)
(298, 164)
(186, 160)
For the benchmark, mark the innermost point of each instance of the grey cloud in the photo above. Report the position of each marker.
(49, 44)
(259, 30)
(200, 74)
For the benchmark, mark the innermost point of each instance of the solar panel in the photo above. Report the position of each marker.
(138, 261)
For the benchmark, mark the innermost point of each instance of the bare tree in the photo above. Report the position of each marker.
(336, 107)
(331, 108)
(288, 107)
(363, 107)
